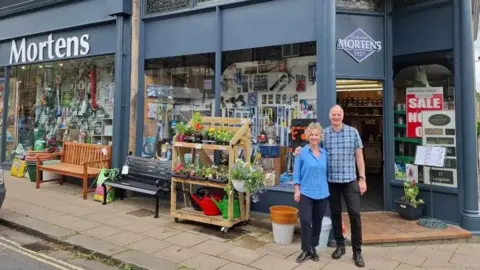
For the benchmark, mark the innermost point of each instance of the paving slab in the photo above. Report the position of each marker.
(102, 231)
(270, 262)
(213, 247)
(242, 255)
(144, 260)
(186, 239)
(161, 233)
(249, 242)
(176, 254)
(204, 262)
(236, 266)
(40, 226)
(124, 238)
(95, 244)
(282, 251)
(149, 245)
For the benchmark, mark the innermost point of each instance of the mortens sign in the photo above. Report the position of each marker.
(359, 45)
(50, 49)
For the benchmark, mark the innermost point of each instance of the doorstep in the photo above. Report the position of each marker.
(384, 227)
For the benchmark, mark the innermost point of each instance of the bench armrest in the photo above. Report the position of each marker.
(86, 163)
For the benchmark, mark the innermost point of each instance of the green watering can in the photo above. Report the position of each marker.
(223, 206)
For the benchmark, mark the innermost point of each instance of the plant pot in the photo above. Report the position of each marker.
(409, 212)
(181, 138)
(189, 139)
(239, 186)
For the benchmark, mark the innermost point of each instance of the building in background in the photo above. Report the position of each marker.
(386, 62)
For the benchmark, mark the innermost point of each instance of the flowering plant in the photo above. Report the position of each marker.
(197, 122)
(252, 176)
(411, 192)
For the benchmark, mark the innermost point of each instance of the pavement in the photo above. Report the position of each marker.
(125, 231)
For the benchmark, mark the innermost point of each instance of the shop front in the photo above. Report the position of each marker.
(284, 63)
(65, 77)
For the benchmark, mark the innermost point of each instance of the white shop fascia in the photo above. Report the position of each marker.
(50, 49)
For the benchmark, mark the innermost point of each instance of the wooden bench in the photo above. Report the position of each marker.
(78, 160)
(146, 176)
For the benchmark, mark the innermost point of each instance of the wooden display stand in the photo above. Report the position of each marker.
(241, 140)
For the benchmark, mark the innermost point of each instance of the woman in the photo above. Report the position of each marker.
(311, 191)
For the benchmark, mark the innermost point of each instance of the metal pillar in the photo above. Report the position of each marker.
(121, 109)
(388, 103)
(325, 76)
(218, 62)
(141, 85)
(6, 94)
(465, 113)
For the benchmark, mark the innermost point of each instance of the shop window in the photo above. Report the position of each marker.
(176, 87)
(50, 103)
(164, 6)
(421, 91)
(361, 5)
(274, 87)
(408, 3)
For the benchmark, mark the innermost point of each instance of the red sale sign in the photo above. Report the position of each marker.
(421, 99)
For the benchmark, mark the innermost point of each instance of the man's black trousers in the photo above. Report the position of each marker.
(311, 214)
(351, 194)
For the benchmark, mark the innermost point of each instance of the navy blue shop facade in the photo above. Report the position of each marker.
(65, 62)
(206, 54)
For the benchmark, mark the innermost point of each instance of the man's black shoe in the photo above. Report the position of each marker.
(305, 255)
(314, 256)
(358, 259)
(338, 253)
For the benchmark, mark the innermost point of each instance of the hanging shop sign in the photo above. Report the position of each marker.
(439, 130)
(22, 51)
(359, 45)
(420, 99)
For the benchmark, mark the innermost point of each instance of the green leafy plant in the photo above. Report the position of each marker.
(252, 176)
(180, 128)
(411, 191)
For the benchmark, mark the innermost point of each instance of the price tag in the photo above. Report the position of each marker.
(104, 151)
(198, 146)
(125, 169)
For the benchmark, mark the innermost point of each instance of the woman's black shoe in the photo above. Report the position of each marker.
(358, 259)
(338, 253)
(305, 255)
(314, 256)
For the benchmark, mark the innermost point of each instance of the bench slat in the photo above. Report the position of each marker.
(132, 187)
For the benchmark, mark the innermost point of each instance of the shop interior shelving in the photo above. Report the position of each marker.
(241, 140)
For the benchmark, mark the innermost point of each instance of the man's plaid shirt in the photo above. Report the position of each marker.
(341, 146)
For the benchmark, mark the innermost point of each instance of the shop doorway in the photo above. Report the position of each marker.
(362, 101)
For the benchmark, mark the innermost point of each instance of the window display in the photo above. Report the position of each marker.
(51, 103)
(421, 91)
(274, 87)
(175, 88)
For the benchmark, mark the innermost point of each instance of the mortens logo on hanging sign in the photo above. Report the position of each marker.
(50, 49)
(359, 45)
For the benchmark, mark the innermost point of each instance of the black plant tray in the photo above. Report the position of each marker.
(198, 178)
(218, 180)
(180, 175)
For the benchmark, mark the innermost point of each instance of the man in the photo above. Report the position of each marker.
(344, 147)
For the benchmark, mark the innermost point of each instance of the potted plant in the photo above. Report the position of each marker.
(221, 175)
(189, 134)
(248, 178)
(197, 127)
(180, 171)
(409, 207)
(180, 131)
(198, 172)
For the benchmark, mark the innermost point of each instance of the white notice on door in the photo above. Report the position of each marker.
(433, 156)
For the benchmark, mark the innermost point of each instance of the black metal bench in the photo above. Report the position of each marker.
(146, 176)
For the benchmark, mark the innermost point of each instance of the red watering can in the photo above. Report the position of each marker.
(208, 206)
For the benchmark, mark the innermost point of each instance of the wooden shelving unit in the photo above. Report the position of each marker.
(241, 140)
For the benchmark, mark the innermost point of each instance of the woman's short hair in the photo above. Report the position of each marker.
(317, 126)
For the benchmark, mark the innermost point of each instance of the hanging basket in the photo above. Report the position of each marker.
(239, 185)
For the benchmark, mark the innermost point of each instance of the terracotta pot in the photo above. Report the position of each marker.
(282, 214)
